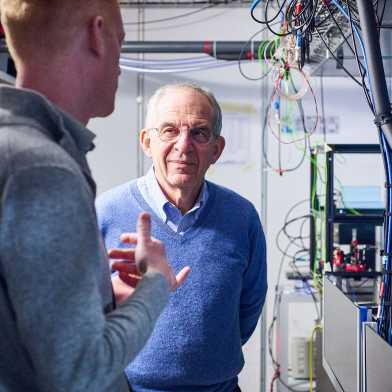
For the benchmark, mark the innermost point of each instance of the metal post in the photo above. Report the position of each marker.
(329, 208)
(140, 97)
(312, 228)
(225, 50)
(264, 94)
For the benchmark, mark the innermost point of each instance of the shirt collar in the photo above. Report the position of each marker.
(160, 199)
(156, 192)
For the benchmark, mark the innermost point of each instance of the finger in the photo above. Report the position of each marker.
(127, 254)
(144, 227)
(182, 276)
(129, 238)
(131, 280)
(141, 266)
(125, 267)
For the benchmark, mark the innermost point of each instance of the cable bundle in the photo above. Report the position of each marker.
(172, 66)
(308, 19)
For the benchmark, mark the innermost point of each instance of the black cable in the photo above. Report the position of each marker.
(293, 239)
(381, 18)
(265, 21)
(241, 54)
(268, 24)
(335, 10)
(361, 68)
(280, 11)
(307, 21)
(337, 60)
(339, 28)
(301, 234)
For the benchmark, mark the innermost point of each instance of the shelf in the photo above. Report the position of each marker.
(343, 215)
(355, 148)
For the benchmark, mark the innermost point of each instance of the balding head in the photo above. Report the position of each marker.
(153, 103)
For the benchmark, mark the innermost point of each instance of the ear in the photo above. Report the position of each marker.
(218, 148)
(96, 40)
(145, 141)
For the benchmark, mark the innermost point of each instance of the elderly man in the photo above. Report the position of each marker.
(59, 330)
(196, 345)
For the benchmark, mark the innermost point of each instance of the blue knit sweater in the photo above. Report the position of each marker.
(196, 344)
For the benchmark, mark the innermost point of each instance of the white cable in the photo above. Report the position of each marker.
(176, 70)
(199, 59)
(166, 64)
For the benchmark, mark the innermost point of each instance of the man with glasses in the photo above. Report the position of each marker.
(196, 345)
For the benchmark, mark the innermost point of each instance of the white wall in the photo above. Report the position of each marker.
(113, 160)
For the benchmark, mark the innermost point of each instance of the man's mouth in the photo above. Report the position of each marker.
(179, 162)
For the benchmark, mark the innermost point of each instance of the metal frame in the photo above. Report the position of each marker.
(341, 215)
(312, 228)
(224, 50)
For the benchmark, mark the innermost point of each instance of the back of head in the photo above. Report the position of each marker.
(46, 26)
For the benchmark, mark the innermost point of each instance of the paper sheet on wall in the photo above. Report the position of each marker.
(236, 131)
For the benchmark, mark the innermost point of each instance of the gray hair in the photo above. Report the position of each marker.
(155, 98)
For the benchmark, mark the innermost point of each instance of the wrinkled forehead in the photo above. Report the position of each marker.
(182, 106)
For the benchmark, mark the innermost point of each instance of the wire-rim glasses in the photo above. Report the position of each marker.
(170, 133)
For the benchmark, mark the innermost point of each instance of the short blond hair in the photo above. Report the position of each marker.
(45, 25)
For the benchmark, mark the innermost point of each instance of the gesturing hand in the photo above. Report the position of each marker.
(149, 255)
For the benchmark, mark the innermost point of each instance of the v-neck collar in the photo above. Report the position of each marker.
(134, 191)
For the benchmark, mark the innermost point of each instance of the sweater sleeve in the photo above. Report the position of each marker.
(254, 287)
(50, 257)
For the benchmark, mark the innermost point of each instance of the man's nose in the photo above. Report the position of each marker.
(184, 141)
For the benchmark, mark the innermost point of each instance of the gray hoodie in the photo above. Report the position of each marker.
(59, 330)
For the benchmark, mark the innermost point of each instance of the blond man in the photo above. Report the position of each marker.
(60, 330)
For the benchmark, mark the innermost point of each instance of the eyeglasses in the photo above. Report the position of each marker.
(199, 135)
